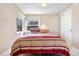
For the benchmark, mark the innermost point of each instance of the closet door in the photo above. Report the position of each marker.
(66, 28)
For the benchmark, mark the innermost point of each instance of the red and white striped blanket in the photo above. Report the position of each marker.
(40, 45)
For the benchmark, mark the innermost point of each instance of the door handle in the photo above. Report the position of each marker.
(70, 30)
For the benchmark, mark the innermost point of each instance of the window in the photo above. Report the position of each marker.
(32, 25)
(19, 24)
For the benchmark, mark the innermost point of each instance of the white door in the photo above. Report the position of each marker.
(66, 28)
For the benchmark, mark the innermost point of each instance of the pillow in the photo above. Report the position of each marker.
(44, 29)
(35, 30)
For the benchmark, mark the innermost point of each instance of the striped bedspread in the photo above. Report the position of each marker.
(40, 45)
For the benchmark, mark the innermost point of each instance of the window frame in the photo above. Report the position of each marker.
(33, 25)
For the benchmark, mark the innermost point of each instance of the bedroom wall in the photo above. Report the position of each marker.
(75, 25)
(19, 13)
(51, 21)
(8, 13)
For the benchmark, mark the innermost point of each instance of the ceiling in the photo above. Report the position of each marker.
(36, 8)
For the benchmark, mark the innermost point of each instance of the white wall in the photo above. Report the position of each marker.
(50, 20)
(75, 25)
(19, 12)
(8, 14)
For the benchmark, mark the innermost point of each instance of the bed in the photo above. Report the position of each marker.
(40, 44)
